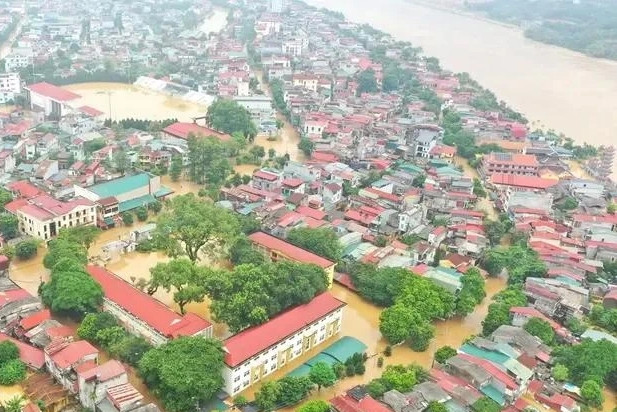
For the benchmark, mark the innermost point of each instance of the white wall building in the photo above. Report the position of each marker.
(143, 315)
(53, 100)
(42, 216)
(94, 382)
(258, 351)
(63, 357)
(18, 58)
(10, 86)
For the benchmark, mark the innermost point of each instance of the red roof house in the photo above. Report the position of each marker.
(183, 130)
(281, 248)
(31, 356)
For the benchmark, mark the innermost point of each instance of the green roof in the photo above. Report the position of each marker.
(162, 192)
(121, 185)
(135, 203)
(490, 355)
(339, 351)
(493, 393)
(343, 348)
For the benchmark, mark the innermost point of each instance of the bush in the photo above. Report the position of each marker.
(240, 401)
(142, 214)
(156, 206)
(12, 372)
(26, 249)
(8, 351)
(127, 218)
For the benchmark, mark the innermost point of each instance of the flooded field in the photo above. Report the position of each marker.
(121, 101)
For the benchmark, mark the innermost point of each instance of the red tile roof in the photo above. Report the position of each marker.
(24, 188)
(71, 353)
(345, 403)
(256, 339)
(291, 251)
(104, 372)
(310, 212)
(13, 295)
(529, 182)
(182, 131)
(90, 111)
(516, 159)
(292, 182)
(35, 319)
(144, 307)
(262, 174)
(31, 356)
(53, 92)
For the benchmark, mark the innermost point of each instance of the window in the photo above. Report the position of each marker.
(236, 389)
(237, 379)
(246, 373)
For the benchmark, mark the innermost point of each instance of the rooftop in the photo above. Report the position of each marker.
(144, 307)
(291, 251)
(183, 130)
(256, 339)
(53, 92)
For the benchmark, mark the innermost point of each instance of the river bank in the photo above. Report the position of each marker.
(554, 87)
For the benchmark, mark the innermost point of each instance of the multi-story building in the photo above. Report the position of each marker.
(18, 58)
(143, 315)
(510, 163)
(53, 100)
(42, 216)
(278, 249)
(260, 350)
(10, 86)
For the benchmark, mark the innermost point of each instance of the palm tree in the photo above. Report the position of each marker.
(14, 404)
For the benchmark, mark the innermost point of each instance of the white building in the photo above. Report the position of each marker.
(277, 6)
(260, 107)
(53, 100)
(256, 352)
(94, 381)
(42, 216)
(18, 58)
(10, 86)
(143, 315)
(62, 358)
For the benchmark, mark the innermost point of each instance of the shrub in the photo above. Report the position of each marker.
(141, 213)
(12, 372)
(127, 218)
(26, 249)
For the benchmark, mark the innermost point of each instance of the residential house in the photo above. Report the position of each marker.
(267, 179)
(64, 358)
(509, 163)
(94, 380)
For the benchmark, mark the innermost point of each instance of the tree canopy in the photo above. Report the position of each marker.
(367, 83)
(191, 226)
(315, 406)
(322, 375)
(471, 293)
(444, 353)
(519, 260)
(228, 116)
(208, 161)
(321, 241)
(499, 311)
(541, 329)
(399, 377)
(249, 295)
(588, 360)
(379, 285)
(183, 276)
(184, 372)
(61, 248)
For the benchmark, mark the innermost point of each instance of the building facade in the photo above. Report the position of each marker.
(10, 86)
(509, 163)
(257, 352)
(143, 315)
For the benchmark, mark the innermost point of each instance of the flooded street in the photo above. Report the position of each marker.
(5, 48)
(361, 320)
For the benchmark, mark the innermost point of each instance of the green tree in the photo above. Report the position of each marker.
(472, 292)
(560, 372)
(186, 278)
(435, 406)
(402, 378)
(315, 406)
(242, 252)
(12, 372)
(82, 235)
(419, 180)
(5, 197)
(250, 294)
(8, 351)
(130, 349)
(71, 290)
(320, 241)
(208, 161)
(610, 209)
(141, 213)
(486, 404)
(127, 218)
(367, 83)
(14, 404)
(110, 336)
(175, 169)
(175, 371)
(121, 161)
(156, 207)
(395, 323)
(9, 226)
(379, 285)
(306, 146)
(59, 249)
(444, 353)
(26, 249)
(194, 227)
(540, 328)
(229, 117)
(294, 389)
(267, 396)
(588, 360)
(322, 375)
(92, 323)
(591, 392)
